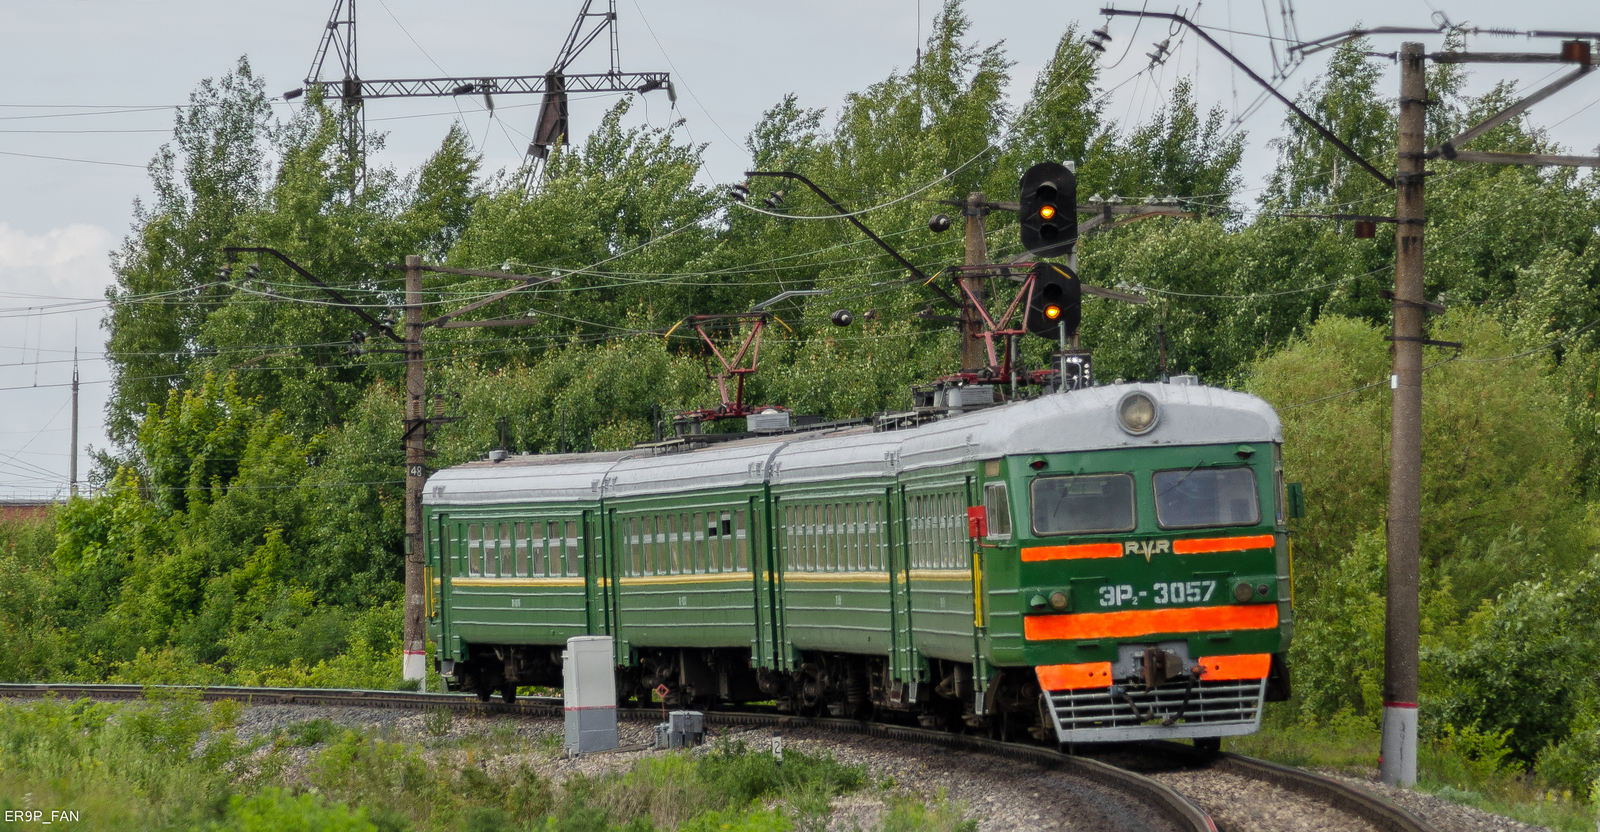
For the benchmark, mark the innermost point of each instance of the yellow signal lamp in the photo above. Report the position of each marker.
(1047, 212)
(1052, 312)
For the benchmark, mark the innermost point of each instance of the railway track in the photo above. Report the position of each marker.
(1135, 770)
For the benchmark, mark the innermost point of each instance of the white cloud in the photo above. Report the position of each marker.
(50, 287)
(68, 262)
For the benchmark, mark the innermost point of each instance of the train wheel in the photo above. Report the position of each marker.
(487, 682)
(1208, 745)
(508, 693)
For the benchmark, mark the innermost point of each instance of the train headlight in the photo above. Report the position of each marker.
(1137, 413)
(1242, 591)
(1058, 601)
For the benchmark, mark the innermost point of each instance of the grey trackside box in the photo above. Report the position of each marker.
(682, 729)
(589, 694)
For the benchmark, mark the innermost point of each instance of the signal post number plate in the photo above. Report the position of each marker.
(1161, 594)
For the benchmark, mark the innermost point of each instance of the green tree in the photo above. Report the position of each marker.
(206, 181)
(1313, 172)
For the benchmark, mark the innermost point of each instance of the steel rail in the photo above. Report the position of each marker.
(1382, 814)
(1163, 799)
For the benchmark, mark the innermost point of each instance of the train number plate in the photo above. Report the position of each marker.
(1161, 594)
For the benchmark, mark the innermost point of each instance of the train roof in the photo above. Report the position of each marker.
(1080, 420)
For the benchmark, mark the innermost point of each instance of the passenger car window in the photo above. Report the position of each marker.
(1199, 497)
(1082, 504)
(996, 511)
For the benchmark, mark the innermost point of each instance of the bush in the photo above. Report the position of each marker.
(1573, 763)
(908, 815)
(276, 810)
(733, 769)
(1524, 664)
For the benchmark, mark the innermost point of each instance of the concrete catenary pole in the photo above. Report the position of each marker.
(72, 465)
(1398, 763)
(414, 636)
(973, 356)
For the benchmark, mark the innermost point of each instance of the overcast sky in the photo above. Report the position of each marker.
(93, 84)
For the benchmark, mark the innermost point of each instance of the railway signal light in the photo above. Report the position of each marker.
(1048, 193)
(1055, 303)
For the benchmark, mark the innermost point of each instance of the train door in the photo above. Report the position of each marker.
(759, 542)
(608, 542)
(592, 555)
(778, 556)
(903, 659)
(451, 557)
(980, 591)
(435, 581)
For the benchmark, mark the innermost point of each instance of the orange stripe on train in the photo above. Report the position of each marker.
(1222, 544)
(1073, 552)
(1230, 668)
(1098, 674)
(1142, 622)
(1076, 551)
(1074, 676)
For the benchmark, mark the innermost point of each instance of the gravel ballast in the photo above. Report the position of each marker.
(999, 794)
(1443, 814)
(1243, 804)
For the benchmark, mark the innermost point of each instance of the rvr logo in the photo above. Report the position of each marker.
(1146, 547)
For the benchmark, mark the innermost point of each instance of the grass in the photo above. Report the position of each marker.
(171, 762)
(1462, 766)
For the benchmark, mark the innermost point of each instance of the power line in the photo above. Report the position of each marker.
(69, 159)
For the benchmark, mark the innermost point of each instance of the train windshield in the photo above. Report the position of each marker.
(1198, 497)
(1083, 504)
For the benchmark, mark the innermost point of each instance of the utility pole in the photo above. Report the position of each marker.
(415, 419)
(72, 466)
(414, 635)
(1398, 763)
(972, 344)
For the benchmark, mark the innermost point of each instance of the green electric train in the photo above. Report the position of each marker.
(1100, 564)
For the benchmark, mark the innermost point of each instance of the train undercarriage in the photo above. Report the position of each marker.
(838, 685)
(846, 686)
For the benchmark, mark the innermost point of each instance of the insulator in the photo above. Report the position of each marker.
(939, 222)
